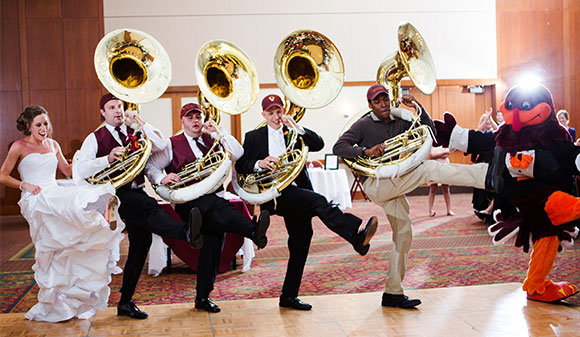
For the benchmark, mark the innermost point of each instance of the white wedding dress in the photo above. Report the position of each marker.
(76, 251)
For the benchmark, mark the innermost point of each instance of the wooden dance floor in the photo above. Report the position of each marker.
(490, 310)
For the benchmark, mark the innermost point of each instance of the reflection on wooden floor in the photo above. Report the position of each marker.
(490, 310)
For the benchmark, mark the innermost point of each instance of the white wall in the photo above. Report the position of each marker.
(461, 35)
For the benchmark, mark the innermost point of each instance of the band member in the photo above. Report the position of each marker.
(298, 203)
(76, 246)
(365, 137)
(141, 213)
(218, 214)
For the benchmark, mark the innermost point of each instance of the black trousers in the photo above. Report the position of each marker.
(219, 216)
(298, 206)
(143, 216)
(481, 199)
(208, 263)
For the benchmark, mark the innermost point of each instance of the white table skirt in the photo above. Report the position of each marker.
(333, 184)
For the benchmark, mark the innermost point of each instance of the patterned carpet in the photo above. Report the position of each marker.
(446, 251)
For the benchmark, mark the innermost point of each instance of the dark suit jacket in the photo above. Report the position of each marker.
(256, 148)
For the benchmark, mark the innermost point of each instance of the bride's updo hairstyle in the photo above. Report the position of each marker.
(25, 119)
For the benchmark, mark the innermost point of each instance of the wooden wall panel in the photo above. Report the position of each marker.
(460, 104)
(81, 37)
(83, 117)
(43, 9)
(572, 62)
(465, 106)
(8, 9)
(10, 91)
(426, 101)
(45, 53)
(541, 36)
(10, 107)
(82, 9)
(487, 100)
(9, 56)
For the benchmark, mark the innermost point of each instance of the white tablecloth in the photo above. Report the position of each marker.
(333, 184)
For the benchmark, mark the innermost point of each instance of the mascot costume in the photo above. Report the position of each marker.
(540, 164)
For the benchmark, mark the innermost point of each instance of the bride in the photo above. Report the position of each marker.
(75, 230)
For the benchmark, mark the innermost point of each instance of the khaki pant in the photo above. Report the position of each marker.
(390, 195)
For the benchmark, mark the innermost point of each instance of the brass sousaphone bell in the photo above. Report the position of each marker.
(310, 73)
(135, 68)
(227, 83)
(409, 149)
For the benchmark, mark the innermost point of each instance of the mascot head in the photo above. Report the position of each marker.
(527, 106)
(530, 119)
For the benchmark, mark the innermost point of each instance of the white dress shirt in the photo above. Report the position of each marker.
(276, 142)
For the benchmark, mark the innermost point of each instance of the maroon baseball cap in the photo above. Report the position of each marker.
(190, 108)
(105, 98)
(376, 90)
(270, 101)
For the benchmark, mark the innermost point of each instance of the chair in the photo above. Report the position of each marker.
(357, 185)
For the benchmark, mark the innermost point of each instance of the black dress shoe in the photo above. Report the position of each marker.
(262, 225)
(206, 304)
(130, 309)
(362, 245)
(195, 238)
(294, 303)
(486, 217)
(493, 178)
(399, 301)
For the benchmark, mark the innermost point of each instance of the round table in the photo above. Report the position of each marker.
(333, 184)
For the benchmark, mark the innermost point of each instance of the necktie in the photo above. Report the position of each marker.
(200, 145)
(121, 135)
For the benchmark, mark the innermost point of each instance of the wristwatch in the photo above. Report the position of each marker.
(364, 148)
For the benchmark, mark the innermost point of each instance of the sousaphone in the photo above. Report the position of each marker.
(409, 149)
(227, 83)
(310, 73)
(135, 68)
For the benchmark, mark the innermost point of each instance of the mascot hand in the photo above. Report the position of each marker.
(567, 236)
(521, 160)
(523, 239)
(444, 129)
(504, 230)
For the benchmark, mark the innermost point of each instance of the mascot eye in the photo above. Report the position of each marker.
(526, 105)
(509, 105)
